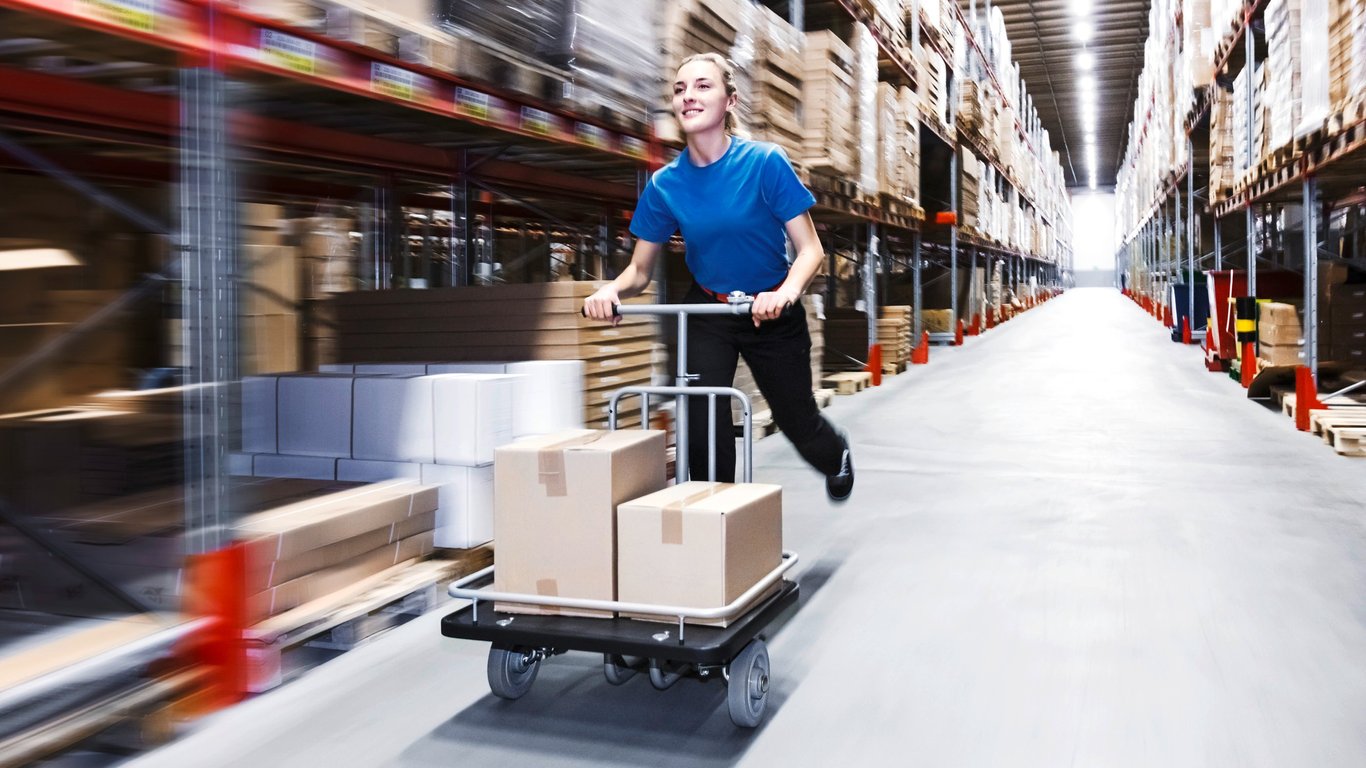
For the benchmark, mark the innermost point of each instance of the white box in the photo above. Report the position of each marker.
(336, 368)
(391, 369)
(300, 467)
(241, 464)
(356, 471)
(392, 419)
(464, 516)
(313, 413)
(547, 398)
(259, 410)
(473, 415)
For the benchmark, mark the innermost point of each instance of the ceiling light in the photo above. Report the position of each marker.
(1091, 138)
(1086, 60)
(1081, 7)
(1087, 83)
(1083, 31)
(36, 258)
(1093, 182)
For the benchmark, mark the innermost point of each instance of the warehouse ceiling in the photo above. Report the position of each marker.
(1045, 44)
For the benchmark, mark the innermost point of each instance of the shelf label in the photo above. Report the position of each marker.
(473, 104)
(398, 83)
(537, 121)
(634, 147)
(289, 52)
(592, 135)
(133, 14)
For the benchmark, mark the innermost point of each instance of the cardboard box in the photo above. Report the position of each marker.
(263, 575)
(547, 396)
(313, 414)
(260, 403)
(698, 544)
(312, 586)
(294, 529)
(1278, 324)
(555, 499)
(392, 419)
(473, 416)
(464, 516)
(1287, 354)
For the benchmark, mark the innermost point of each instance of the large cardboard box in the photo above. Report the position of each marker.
(311, 586)
(1278, 324)
(555, 500)
(1284, 354)
(473, 415)
(292, 530)
(698, 544)
(464, 516)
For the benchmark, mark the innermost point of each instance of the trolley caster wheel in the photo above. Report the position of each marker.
(747, 690)
(617, 669)
(512, 671)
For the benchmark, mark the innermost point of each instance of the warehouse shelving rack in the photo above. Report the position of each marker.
(1321, 171)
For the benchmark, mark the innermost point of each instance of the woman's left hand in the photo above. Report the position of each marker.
(770, 305)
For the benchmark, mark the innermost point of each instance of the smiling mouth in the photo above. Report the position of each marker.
(691, 112)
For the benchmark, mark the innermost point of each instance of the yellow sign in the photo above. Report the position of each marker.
(289, 52)
(133, 14)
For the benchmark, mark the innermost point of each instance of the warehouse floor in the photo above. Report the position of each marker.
(1068, 545)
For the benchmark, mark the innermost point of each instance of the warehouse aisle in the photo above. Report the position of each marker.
(1068, 545)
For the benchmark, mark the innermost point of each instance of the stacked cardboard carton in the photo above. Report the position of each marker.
(505, 322)
(1347, 46)
(898, 144)
(775, 94)
(828, 142)
(894, 333)
(937, 320)
(866, 109)
(970, 192)
(303, 551)
(698, 26)
(1279, 337)
(934, 87)
(269, 292)
(1221, 145)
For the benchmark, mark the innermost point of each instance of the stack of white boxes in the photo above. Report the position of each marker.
(436, 423)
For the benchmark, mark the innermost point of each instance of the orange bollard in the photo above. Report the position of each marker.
(921, 354)
(976, 328)
(874, 365)
(1306, 397)
(1249, 364)
(958, 334)
(1185, 330)
(217, 590)
(991, 314)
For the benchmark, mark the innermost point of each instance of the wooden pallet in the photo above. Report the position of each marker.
(1321, 421)
(351, 616)
(1347, 441)
(892, 369)
(823, 397)
(848, 383)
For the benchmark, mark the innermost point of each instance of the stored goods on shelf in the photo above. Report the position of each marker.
(829, 142)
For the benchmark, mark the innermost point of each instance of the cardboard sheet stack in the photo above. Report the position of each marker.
(774, 111)
(846, 337)
(937, 320)
(1221, 145)
(697, 26)
(269, 292)
(1279, 336)
(894, 333)
(586, 514)
(503, 322)
(970, 192)
(898, 143)
(866, 109)
(828, 142)
(1283, 59)
(302, 551)
(437, 428)
(934, 86)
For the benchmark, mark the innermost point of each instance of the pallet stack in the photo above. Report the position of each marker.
(866, 108)
(1283, 59)
(895, 329)
(970, 192)
(899, 163)
(1347, 52)
(775, 112)
(934, 87)
(828, 142)
(1221, 146)
(503, 322)
(909, 155)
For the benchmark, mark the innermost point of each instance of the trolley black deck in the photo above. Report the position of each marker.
(701, 645)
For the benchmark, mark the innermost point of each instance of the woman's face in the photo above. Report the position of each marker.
(700, 100)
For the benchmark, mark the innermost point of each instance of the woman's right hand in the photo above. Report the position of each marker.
(601, 304)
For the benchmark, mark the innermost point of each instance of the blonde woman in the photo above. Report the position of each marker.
(733, 200)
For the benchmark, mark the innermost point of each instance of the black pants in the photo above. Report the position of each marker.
(779, 354)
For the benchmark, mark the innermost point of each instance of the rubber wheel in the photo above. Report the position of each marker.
(615, 669)
(510, 674)
(747, 691)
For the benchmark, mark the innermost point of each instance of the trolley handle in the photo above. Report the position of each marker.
(736, 304)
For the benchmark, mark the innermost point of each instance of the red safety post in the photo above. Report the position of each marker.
(1249, 364)
(217, 590)
(875, 364)
(976, 328)
(1306, 397)
(1186, 330)
(958, 334)
(921, 354)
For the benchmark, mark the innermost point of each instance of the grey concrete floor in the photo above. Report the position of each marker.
(1068, 545)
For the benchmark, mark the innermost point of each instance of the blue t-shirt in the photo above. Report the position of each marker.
(731, 213)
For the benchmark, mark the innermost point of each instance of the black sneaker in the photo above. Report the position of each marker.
(839, 485)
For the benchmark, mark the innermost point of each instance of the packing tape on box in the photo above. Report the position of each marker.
(550, 463)
(671, 519)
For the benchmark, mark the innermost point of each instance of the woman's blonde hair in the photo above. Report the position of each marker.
(727, 76)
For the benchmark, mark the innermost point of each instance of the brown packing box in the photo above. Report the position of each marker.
(292, 530)
(1286, 354)
(555, 499)
(263, 575)
(1278, 324)
(312, 586)
(698, 544)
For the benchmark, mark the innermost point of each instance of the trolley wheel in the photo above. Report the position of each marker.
(512, 670)
(747, 691)
(616, 669)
